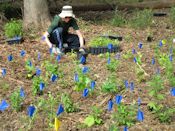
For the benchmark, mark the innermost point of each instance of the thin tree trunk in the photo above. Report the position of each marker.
(36, 14)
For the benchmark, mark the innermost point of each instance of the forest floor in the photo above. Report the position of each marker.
(91, 27)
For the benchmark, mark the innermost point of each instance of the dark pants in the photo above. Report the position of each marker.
(58, 38)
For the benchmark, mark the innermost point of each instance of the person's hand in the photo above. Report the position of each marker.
(54, 50)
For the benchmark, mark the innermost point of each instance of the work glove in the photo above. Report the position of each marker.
(57, 51)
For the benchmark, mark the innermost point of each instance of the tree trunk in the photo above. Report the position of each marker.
(36, 14)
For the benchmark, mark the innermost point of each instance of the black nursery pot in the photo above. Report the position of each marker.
(149, 39)
(14, 40)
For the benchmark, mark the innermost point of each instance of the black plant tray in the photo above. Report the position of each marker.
(103, 49)
(119, 38)
(14, 40)
(159, 14)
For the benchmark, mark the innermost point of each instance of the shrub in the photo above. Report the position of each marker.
(118, 20)
(142, 19)
(13, 28)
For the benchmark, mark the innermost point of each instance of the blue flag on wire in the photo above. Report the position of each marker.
(22, 94)
(60, 109)
(85, 92)
(4, 72)
(93, 85)
(110, 46)
(3, 105)
(31, 110)
(10, 58)
(118, 99)
(172, 91)
(140, 115)
(53, 77)
(22, 53)
(110, 105)
(41, 86)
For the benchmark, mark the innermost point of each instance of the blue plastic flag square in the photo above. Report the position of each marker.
(82, 60)
(140, 45)
(39, 56)
(38, 71)
(118, 99)
(110, 46)
(60, 110)
(132, 86)
(22, 53)
(160, 43)
(53, 77)
(110, 105)
(135, 59)
(43, 38)
(4, 105)
(76, 78)
(4, 72)
(93, 85)
(10, 58)
(133, 51)
(31, 110)
(85, 92)
(139, 101)
(85, 69)
(173, 91)
(153, 61)
(126, 83)
(125, 128)
(41, 86)
(58, 58)
(22, 94)
(140, 115)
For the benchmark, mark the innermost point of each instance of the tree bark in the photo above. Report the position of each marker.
(36, 14)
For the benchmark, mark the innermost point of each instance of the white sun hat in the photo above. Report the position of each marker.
(67, 12)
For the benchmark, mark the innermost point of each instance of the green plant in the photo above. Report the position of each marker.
(164, 114)
(94, 117)
(113, 65)
(16, 100)
(118, 19)
(68, 104)
(128, 55)
(13, 28)
(83, 81)
(29, 68)
(156, 85)
(125, 115)
(110, 85)
(36, 84)
(142, 19)
(102, 41)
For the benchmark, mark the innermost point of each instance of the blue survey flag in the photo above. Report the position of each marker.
(93, 85)
(126, 83)
(4, 72)
(82, 60)
(153, 61)
(58, 58)
(172, 91)
(140, 115)
(38, 71)
(76, 78)
(160, 43)
(132, 86)
(10, 58)
(22, 53)
(43, 38)
(53, 77)
(140, 45)
(3, 105)
(125, 128)
(41, 86)
(139, 101)
(135, 59)
(110, 46)
(85, 69)
(39, 55)
(60, 109)
(22, 93)
(118, 99)
(171, 57)
(31, 111)
(110, 105)
(133, 51)
(85, 92)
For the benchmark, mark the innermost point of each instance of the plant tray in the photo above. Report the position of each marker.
(103, 49)
(158, 14)
(14, 40)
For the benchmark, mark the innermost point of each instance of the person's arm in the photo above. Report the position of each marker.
(46, 35)
(81, 39)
